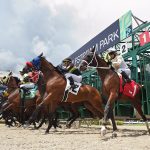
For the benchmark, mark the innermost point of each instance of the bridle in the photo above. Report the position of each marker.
(96, 67)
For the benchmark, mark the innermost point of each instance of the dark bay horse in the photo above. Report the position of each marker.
(55, 86)
(13, 103)
(110, 84)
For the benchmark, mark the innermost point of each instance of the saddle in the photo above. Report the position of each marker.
(68, 89)
(129, 89)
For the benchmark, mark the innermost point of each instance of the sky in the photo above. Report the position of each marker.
(56, 27)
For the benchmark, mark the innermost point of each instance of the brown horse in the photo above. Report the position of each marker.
(13, 103)
(55, 86)
(110, 84)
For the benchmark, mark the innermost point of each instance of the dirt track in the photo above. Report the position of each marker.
(129, 138)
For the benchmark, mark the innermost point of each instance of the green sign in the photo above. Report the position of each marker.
(125, 23)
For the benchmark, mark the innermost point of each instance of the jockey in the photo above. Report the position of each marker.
(73, 73)
(30, 66)
(26, 83)
(33, 75)
(119, 64)
(33, 72)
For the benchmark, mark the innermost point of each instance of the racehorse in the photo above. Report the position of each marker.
(73, 108)
(55, 87)
(8, 116)
(13, 104)
(110, 85)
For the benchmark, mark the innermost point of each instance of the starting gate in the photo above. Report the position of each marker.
(138, 58)
(139, 61)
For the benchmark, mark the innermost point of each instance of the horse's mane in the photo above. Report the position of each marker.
(17, 80)
(101, 58)
(50, 65)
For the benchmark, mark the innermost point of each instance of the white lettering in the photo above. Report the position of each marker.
(101, 44)
(110, 38)
(105, 42)
(116, 34)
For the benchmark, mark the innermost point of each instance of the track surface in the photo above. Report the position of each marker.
(129, 138)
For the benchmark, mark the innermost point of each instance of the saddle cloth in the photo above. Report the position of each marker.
(68, 87)
(30, 94)
(129, 89)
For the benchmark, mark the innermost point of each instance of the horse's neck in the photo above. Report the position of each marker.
(49, 72)
(102, 72)
(13, 82)
(12, 85)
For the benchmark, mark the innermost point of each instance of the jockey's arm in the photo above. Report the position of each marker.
(62, 69)
(117, 62)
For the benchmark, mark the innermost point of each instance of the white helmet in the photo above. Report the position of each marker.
(112, 50)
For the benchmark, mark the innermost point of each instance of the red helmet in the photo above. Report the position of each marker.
(29, 64)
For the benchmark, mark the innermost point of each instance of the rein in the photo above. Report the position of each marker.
(96, 67)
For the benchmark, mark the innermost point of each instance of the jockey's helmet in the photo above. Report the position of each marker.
(67, 60)
(29, 64)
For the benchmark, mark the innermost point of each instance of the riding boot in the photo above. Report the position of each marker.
(125, 76)
(73, 86)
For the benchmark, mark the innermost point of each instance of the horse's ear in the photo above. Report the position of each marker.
(93, 49)
(10, 73)
(41, 55)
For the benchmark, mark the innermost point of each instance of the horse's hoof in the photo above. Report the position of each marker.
(149, 131)
(114, 135)
(59, 126)
(55, 130)
(18, 125)
(103, 131)
(26, 125)
(68, 126)
(46, 132)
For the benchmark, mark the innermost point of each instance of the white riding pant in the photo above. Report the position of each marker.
(28, 85)
(126, 70)
(75, 77)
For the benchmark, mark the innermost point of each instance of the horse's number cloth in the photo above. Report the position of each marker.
(129, 89)
(76, 90)
(30, 95)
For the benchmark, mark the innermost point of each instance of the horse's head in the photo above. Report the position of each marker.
(10, 81)
(41, 63)
(38, 63)
(6, 79)
(93, 60)
(35, 63)
(89, 60)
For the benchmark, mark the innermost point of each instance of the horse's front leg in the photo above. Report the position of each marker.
(53, 105)
(34, 115)
(50, 122)
(108, 108)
